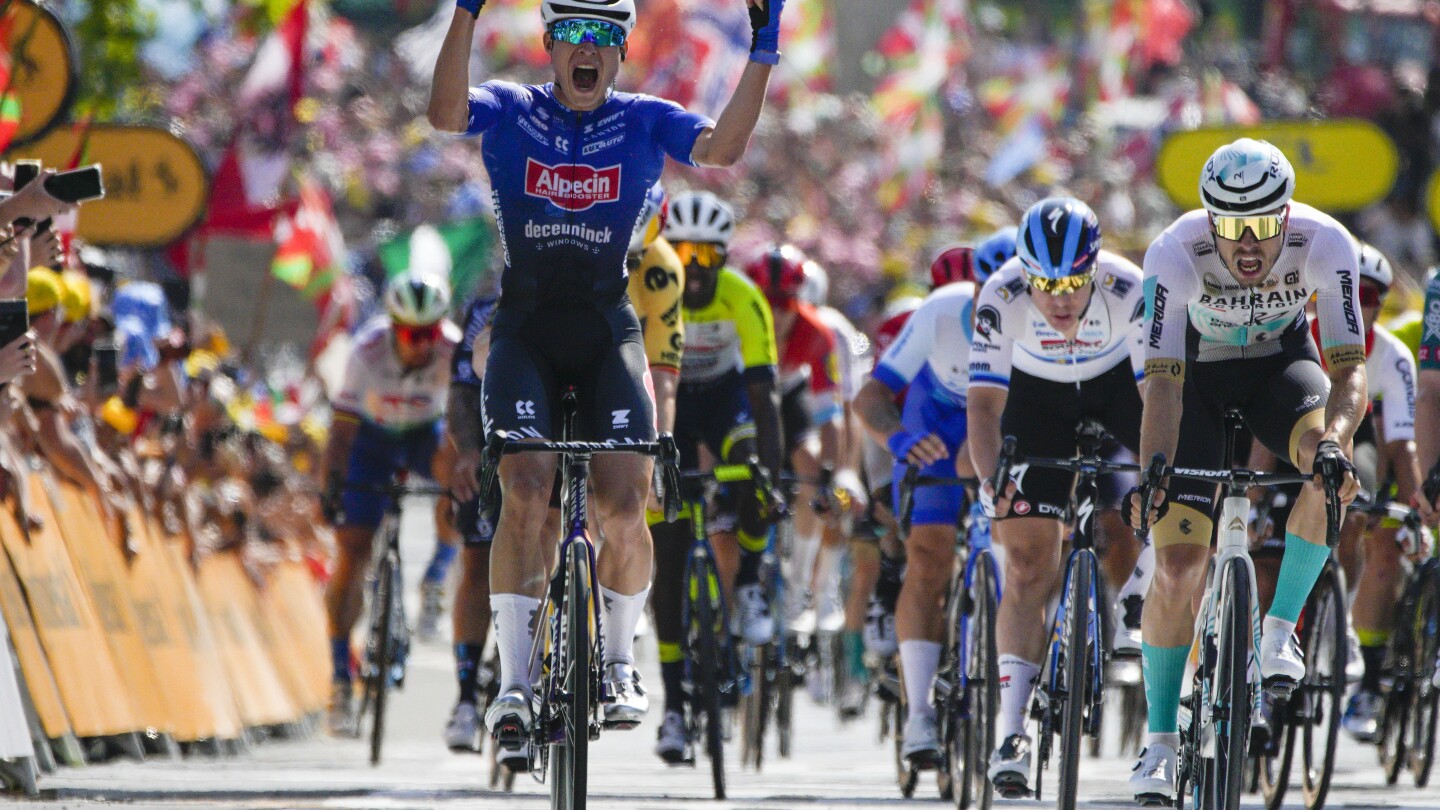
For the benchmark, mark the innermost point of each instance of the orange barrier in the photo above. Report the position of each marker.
(262, 696)
(104, 571)
(70, 630)
(293, 600)
(44, 694)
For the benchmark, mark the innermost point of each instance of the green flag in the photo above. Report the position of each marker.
(459, 250)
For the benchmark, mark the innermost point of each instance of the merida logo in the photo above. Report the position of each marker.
(1347, 300)
(574, 187)
(1156, 323)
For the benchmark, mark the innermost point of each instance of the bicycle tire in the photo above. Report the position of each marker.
(906, 777)
(702, 586)
(1076, 672)
(1395, 717)
(1230, 697)
(785, 679)
(1323, 691)
(982, 684)
(570, 761)
(384, 650)
(1274, 771)
(1425, 704)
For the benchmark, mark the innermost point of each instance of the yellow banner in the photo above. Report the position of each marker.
(43, 68)
(1341, 165)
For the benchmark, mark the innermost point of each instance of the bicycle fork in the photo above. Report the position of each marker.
(1233, 543)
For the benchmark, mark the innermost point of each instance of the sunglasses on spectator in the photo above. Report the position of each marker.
(1264, 226)
(602, 34)
(1371, 295)
(705, 254)
(1061, 286)
(413, 335)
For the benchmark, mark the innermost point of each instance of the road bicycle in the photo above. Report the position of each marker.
(569, 650)
(1215, 720)
(1070, 698)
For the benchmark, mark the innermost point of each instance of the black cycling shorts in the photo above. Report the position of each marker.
(795, 418)
(534, 356)
(1277, 396)
(1042, 416)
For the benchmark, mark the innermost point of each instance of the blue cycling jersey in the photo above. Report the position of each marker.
(569, 186)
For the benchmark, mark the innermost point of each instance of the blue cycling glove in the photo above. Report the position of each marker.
(900, 444)
(472, 6)
(765, 32)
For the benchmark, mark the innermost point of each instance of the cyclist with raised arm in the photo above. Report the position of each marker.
(1057, 339)
(728, 401)
(571, 163)
(388, 416)
(929, 361)
(1226, 288)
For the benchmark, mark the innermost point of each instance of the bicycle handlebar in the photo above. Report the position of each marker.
(913, 480)
(1331, 472)
(752, 471)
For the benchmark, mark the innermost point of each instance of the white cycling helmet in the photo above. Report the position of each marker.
(1246, 177)
(815, 289)
(417, 299)
(1374, 266)
(699, 216)
(620, 12)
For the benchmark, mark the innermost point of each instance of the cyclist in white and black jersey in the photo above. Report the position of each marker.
(1226, 289)
(1057, 339)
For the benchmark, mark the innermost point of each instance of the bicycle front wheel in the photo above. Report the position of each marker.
(1319, 702)
(570, 760)
(702, 588)
(387, 586)
(1075, 670)
(982, 688)
(1425, 701)
(1230, 693)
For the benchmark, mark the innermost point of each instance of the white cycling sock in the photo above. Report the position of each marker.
(920, 660)
(802, 561)
(1171, 739)
(622, 615)
(515, 637)
(1017, 681)
(827, 571)
(1139, 581)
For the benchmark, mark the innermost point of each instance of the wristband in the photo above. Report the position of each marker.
(472, 6)
(771, 58)
(900, 444)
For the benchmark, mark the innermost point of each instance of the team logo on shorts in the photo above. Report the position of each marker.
(573, 187)
(1021, 508)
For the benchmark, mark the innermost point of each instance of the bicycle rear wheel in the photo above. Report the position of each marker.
(1274, 769)
(378, 681)
(702, 588)
(1230, 698)
(1321, 693)
(570, 756)
(905, 776)
(1425, 704)
(982, 690)
(1075, 669)
(1395, 718)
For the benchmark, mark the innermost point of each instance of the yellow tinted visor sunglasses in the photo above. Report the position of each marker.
(1061, 286)
(1264, 226)
(705, 254)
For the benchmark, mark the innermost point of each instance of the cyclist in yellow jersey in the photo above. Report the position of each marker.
(656, 280)
(728, 389)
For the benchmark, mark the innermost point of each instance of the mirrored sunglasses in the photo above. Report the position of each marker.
(705, 254)
(1264, 226)
(1060, 286)
(602, 34)
(411, 335)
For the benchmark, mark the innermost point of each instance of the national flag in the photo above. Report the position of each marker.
(460, 251)
(808, 31)
(279, 64)
(311, 247)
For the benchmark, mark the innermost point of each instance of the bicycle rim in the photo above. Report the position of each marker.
(1076, 674)
(1323, 690)
(1275, 770)
(707, 662)
(1230, 702)
(384, 651)
(1425, 704)
(571, 751)
(958, 725)
(984, 684)
(905, 776)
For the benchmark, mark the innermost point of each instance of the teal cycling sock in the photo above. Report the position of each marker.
(440, 563)
(1164, 670)
(1299, 569)
(854, 653)
(340, 658)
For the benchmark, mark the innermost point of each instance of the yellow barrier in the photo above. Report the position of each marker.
(293, 599)
(71, 633)
(261, 694)
(44, 694)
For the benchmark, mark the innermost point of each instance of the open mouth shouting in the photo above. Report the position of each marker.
(585, 77)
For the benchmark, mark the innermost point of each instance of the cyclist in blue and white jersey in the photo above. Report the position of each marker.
(571, 163)
(931, 356)
(1226, 288)
(1057, 339)
(388, 415)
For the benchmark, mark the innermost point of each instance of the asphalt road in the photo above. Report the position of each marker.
(834, 765)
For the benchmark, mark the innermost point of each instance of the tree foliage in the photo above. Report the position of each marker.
(108, 39)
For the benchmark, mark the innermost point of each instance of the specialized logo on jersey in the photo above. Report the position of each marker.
(572, 187)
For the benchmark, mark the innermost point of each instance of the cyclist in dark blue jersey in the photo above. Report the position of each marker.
(570, 163)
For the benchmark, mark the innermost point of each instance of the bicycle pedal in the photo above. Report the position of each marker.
(1154, 800)
(510, 734)
(1280, 688)
(620, 725)
(1008, 789)
(925, 760)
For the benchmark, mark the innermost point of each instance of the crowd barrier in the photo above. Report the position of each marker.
(130, 645)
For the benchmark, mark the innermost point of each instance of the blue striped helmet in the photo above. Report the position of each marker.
(1059, 237)
(998, 248)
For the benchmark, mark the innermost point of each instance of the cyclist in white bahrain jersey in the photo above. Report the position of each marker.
(1226, 289)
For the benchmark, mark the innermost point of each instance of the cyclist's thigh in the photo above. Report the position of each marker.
(1290, 402)
(1114, 399)
(418, 447)
(519, 385)
(1201, 445)
(1042, 416)
(795, 420)
(372, 464)
(618, 386)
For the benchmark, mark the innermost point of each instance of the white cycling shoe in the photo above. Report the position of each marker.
(462, 733)
(1010, 767)
(1280, 659)
(623, 696)
(752, 621)
(672, 744)
(508, 719)
(1127, 627)
(921, 746)
(1152, 780)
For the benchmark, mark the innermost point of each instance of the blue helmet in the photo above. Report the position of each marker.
(998, 248)
(1059, 238)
